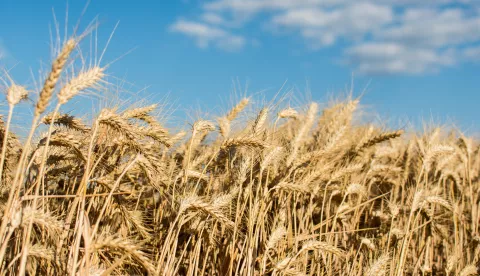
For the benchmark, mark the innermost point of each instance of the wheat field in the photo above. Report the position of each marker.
(304, 191)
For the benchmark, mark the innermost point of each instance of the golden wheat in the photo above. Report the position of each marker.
(306, 194)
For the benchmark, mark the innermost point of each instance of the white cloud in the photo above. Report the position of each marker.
(391, 58)
(472, 53)
(324, 26)
(434, 28)
(254, 6)
(206, 35)
(422, 40)
(376, 36)
(212, 18)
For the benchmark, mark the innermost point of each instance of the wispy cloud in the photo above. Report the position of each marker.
(323, 26)
(392, 58)
(213, 18)
(434, 27)
(472, 53)
(383, 36)
(255, 6)
(206, 35)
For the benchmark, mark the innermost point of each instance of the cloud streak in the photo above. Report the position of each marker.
(472, 54)
(206, 35)
(391, 58)
(324, 26)
(434, 28)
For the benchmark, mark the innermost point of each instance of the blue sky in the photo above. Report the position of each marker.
(414, 60)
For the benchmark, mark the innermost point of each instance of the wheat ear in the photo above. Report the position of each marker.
(57, 68)
(81, 82)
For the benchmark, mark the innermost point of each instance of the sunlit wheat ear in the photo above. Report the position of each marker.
(439, 201)
(417, 200)
(275, 237)
(321, 246)
(96, 270)
(260, 121)
(200, 126)
(293, 272)
(49, 223)
(384, 169)
(356, 189)
(345, 207)
(224, 126)
(223, 201)
(38, 255)
(433, 137)
(394, 209)
(399, 233)
(352, 168)
(304, 129)
(140, 113)
(348, 110)
(433, 153)
(271, 157)
(244, 142)
(290, 187)
(156, 132)
(126, 247)
(224, 123)
(451, 263)
(337, 116)
(195, 174)
(200, 130)
(16, 93)
(447, 160)
(368, 243)
(65, 139)
(197, 204)
(288, 113)
(379, 139)
(135, 219)
(109, 118)
(237, 109)
(82, 81)
(52, 79)
(386, 151)
(380, 266)
(284, 263)
(41, 251)
(16, 217)
(469, 270)
(241, 170)
(335, 140)
(381, 215)
(65, 120)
